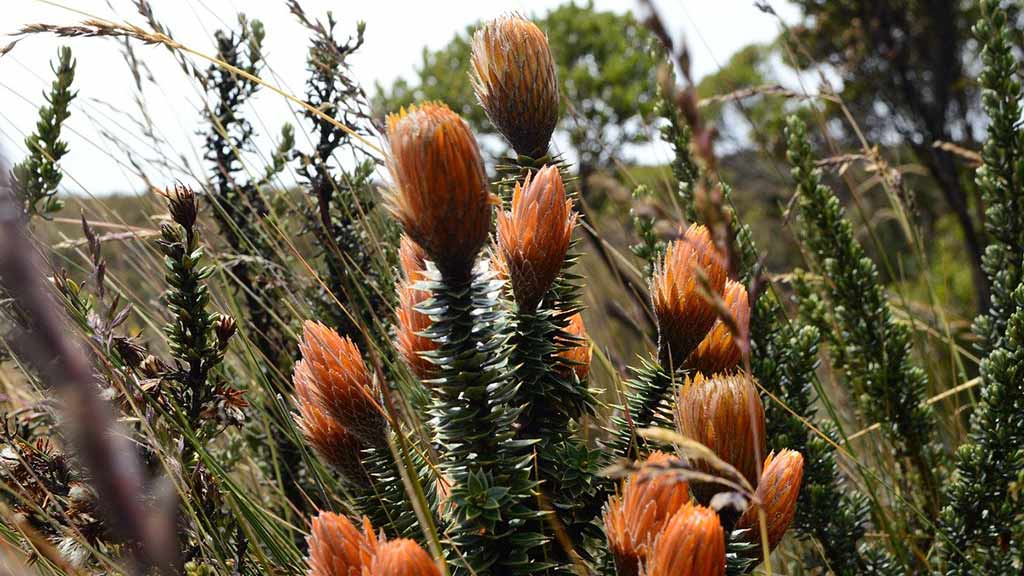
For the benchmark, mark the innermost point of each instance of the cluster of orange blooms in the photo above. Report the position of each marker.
(659, 524)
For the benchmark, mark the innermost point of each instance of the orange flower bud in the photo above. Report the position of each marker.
(332, 441)
(692, 544)
(412, 259)
(339, 381)
(402, 557)
(778, 491)
(534, 237)
(684, 315)
(718, 351)
(411, 323)
(633, 519)
(724, 413)
(338, 548)
(578, 355)
(514, 79)
(441, 197)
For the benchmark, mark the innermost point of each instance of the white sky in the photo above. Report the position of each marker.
(396, 33)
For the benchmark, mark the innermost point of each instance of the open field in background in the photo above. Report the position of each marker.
(313, 330)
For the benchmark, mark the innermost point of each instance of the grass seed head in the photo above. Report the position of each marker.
(514, 78)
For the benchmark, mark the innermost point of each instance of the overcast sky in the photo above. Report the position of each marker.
(396, 33)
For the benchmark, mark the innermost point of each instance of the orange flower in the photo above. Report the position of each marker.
(339, 381)
(441, 196)
(411, 323)
(534, 237)
(514, 79)
(778, 491)
(633, 519)
(684, 315)
(724, 413)
(402, 557)
(692, 544)
(578, 354)
(718, 351)
(412, 259)
(335, 444)
(338, 548)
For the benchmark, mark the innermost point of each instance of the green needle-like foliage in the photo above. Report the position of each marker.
(875, 349)
(490, 469)
(36, 179)
(984, 516)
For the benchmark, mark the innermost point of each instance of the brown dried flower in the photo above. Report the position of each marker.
(338, 548)
(633, 519)
(441, 196)
(514, 79)
(578, 355)
(534, 237)
(724, 413)
(778, 491)
(402, 557)
(684, 314)
(339, 381)
(692, 544)
(718, 351)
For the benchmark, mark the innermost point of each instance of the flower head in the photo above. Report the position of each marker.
(332, 441)
(725, 414)
(338, 548)
(691, 544)
(441, 197)
(578, 354)
(778, 491)
(534, 237)
(514, 79)
(402, 557)
(684, 314)
(718, 351)
(339, 381)
(633, 519)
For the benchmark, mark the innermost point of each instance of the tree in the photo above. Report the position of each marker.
(606, 73)
(903, 68)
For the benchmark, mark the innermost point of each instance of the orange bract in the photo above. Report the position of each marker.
(718, 351)
(332, 441)
(534, 237)
(402, 557)
(514, 78)
(410, 324)
(684, 315)
(339, 381)
(724, 413)
(578, 355)
(412, 259)
(441, 196)
(778, 491)
(692, 544)
(338, 548)
(633, 519)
